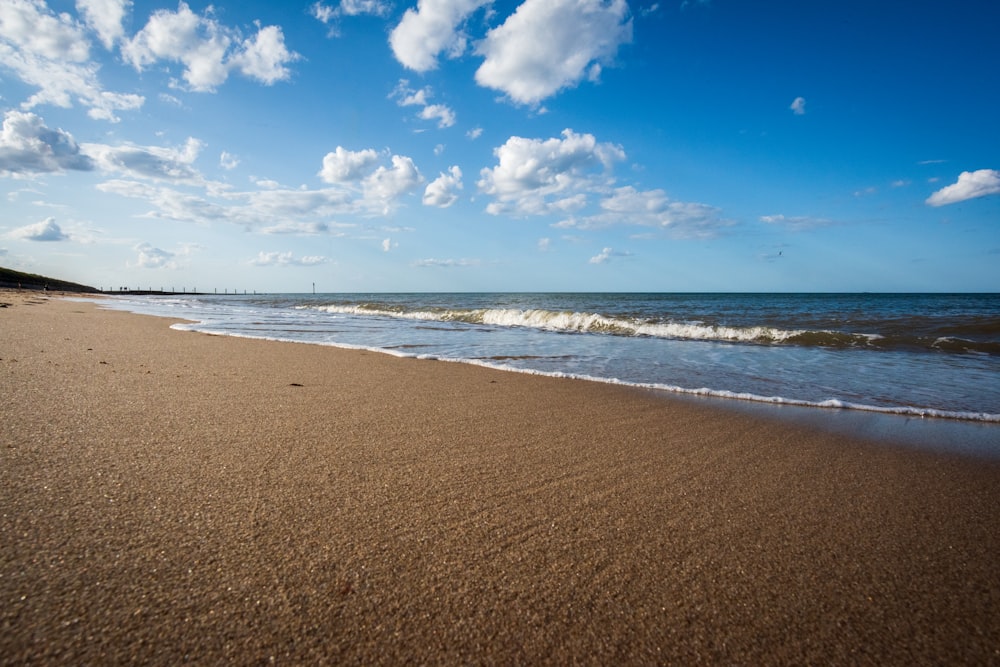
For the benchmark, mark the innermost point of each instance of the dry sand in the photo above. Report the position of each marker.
(170, 496)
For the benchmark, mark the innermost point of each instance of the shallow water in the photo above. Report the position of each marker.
(894, 354)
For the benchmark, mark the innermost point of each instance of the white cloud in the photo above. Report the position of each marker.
(27, 145)
(298, 228)
(328, 13)
(323, 13)
(386, 185)
(446, 263)
(342, 165)
(606, 254)
(228, 161)
(406, 96)
(358, 7)
(388, 244)
(433, 28)
(474, 133)
(299, 210)
(51, 53)
(443, 191)
(548, 45)
(544, 244)
(970, 185)
(443, 114)
(105, 18)
(652, 208)
(286, 259)
(154, 258)
(151, 162)
(250, 209)
(535, 177)
(798, 106)
(208, 50)
(265, 56)
(45, 230)
(36, 30)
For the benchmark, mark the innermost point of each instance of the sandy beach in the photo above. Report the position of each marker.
(170, 496)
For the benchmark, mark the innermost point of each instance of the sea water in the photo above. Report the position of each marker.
(907, 355)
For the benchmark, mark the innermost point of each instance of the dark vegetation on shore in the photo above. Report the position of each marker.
(11, 279)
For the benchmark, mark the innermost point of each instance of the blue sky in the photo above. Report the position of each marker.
(536, 145)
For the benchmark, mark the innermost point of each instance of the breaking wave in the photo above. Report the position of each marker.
(577, 322)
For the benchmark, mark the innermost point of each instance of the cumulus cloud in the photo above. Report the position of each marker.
(208, 50)
(27, 145)
(105, 18)
(443, 114)
(443, 191)
(51, 53)
(548, 45)
(45, 230)
(387, 184)
(798, 106)
(536, 176)
(342, 165)
(652, 208)
(970, 185)
(286, 259)
(432, 28)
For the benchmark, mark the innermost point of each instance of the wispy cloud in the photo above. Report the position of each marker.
(286, 259)
(406, 96)
(796, 222)
(446, 263)
(798, 106)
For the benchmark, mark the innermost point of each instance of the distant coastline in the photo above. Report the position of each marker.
(12, 279)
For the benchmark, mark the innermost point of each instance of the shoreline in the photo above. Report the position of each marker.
(950, 433)
(172, 495)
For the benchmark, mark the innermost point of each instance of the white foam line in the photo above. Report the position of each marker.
(909, 411)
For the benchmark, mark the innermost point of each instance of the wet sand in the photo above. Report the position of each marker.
(169, 496)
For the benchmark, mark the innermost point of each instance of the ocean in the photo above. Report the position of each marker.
(914, 357)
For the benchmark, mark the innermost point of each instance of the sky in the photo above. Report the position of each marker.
(523, 145)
